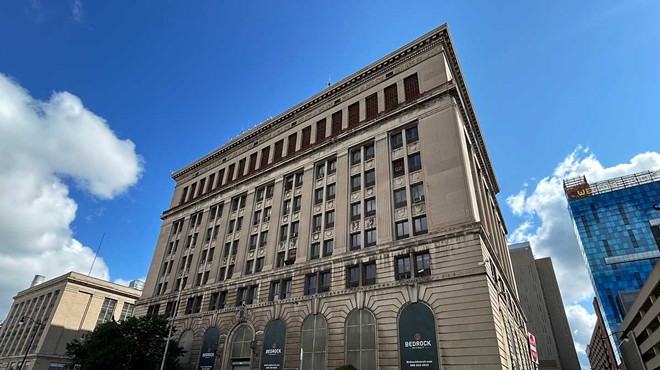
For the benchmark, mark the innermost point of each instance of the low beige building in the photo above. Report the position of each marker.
(360, 226)
(48, 315)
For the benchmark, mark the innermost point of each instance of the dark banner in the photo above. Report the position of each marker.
(272, 357)
(417, 341)
(209, 346)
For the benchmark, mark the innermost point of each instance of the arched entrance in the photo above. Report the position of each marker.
(185, 341)
(418, 346)
(240, 348)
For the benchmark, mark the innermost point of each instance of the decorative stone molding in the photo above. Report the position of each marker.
(369, 164)
(415, 177)
(316, 236)
(413, 148)
(400, 213)
(418, 209)
(330, 205)
(317, 208)
(355, 196)
(356, 169)
(329, 234)
(269, 202)
(355, 226)
(397, 153)
(331, 178)
(369, 191)
(369, 222)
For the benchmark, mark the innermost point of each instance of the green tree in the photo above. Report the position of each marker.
(135, 343)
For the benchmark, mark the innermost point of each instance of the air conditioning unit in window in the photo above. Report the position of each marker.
(317, 228)
(293, 235)
(418, 199)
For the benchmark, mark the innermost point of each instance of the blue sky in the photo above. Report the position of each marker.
(178, 79)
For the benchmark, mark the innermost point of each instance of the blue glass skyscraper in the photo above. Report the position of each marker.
(617, 230)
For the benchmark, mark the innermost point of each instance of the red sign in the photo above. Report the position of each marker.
(532, 348)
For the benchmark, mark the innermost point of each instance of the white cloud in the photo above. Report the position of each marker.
(77, 11)
(43, 144)
(582, 325)
(546, 223)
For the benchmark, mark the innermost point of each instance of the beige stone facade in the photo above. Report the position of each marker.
(371, 196)
(68, 306)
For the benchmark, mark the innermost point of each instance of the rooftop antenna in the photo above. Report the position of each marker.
(329, 82)
(95, 255)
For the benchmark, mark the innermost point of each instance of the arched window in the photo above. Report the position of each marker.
(185, 341)
(361, 340)
(240, 347)
(314, 336)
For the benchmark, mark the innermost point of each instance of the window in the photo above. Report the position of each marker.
(153, 309)
(336, 123)
(259, 265)
(354, 114)
(400, 198)
(353, 276)
(369, 273)
(411, 87)
(239, 223)
(398, 168)
(417, 192)
(608, 250)
(257, 218)
(267, 213)
(286, 207)
(622, 211)
(315, 251)
(194, 305)
(370, 238)
(297, 201)
(318, 282)
(260, 194)
(391, 97)
(330, 193)
(299, 179)
(396, 140)
(126, 311)
(355, 242)
(320, 131)
(369, 178)
(370, 207)
(295, 226)
(316, 223)
(419, 225)
(291, 147)
(318, 196)
(246, 295)
(369, 151)
(403, 267)
(633, 239)
(356, 211)
(279, 262)
(412, 135)
(248, 267)
(330, 219)
(328, 246)
(414, 162)
(332, 166)
(372, 106)
(356, 182)
(402, 229)
(313, 343)
(263, 240)
(288, 182)
(422, 264)
(280, 289)
(283, 232)
(107, 311)
(361, 275)
(241, 342)
(270, 189)
(218, 301)
(230, 228)
(320, 171)
(356, 156)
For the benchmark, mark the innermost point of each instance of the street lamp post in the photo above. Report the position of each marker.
(27, 351)
(169, 334)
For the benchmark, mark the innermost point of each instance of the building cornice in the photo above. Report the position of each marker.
(349, 87)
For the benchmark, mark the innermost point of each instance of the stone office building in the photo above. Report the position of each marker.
(360, 226)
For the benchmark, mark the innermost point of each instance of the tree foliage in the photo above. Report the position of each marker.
(135, 343)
